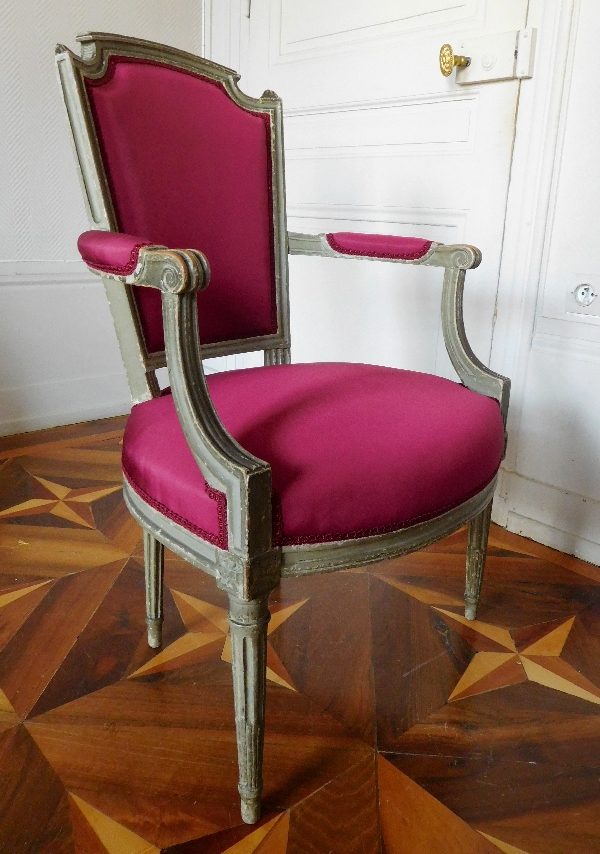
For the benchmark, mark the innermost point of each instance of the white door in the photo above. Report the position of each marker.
(377, 140)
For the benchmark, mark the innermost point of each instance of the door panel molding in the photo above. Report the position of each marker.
(301, 32)
(402, 126)
(443, 224)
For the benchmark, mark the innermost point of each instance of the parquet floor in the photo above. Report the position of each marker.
(392, 725)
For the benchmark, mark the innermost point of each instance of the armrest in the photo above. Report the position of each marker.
(179, 274)
(384, 247)
(137, 261)
(111, 252)
(456, 259)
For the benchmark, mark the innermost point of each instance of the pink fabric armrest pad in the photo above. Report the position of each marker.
(111, 252)
(355, 450)
(379, 245)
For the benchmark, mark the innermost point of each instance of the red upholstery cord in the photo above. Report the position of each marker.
(111, 252)
(355, 450)
(219, 539)
(379, 245)
(189, 168)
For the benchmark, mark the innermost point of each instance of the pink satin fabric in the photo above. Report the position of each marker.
(111, 252)
(379, 245)
(355, 450)
(188, 168)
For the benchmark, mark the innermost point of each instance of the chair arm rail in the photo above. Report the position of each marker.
(456, 260)
(460, 256)
(135, 261)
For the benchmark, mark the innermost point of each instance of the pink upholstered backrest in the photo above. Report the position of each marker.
(191, 169)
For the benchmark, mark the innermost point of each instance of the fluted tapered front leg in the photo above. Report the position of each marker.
(248, 621)
(479, 529)
(154, 562)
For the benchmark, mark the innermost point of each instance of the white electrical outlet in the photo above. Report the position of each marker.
(583, 296)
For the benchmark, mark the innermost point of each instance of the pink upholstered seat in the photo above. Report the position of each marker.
(355, 450)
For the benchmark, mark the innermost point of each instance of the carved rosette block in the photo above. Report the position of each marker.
(248, 622)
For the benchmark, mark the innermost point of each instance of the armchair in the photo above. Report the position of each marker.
(285, 469)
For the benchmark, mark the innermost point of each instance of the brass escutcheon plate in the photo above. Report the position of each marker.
(446, 60)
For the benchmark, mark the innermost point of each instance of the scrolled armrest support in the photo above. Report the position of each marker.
(136, 261)
(455, 259)
(251, 567)
(172, 271)
(473, 373)
(245, 479)
(460, 256)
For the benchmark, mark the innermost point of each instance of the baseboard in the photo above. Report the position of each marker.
(547, 514)
(35, 407)
(59, 357)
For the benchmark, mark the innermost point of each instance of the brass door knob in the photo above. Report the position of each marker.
(448, 60)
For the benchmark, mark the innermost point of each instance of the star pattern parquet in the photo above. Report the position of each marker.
(393, 724)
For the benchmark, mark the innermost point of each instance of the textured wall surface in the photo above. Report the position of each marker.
(58, 352)
(42, 212)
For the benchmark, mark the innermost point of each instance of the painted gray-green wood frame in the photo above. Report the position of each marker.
(251, 567)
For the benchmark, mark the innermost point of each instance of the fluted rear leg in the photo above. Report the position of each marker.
(154, 562)
(248, 621)
(479, 529)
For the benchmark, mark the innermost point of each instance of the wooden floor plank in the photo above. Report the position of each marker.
(340, 818)
(34, 812)
(34, 654)
(485, 735)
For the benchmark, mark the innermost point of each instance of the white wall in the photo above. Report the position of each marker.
(550, 488)
(59, 360)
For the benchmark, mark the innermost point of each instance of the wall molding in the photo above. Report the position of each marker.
(409, 125)
(572, 7)
(417, 217)
(382, 103)
(222, 32)
(567, 348)
(46, 272)
(59, 357)
(68, 401)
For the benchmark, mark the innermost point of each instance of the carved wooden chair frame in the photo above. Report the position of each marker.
(251, 567)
